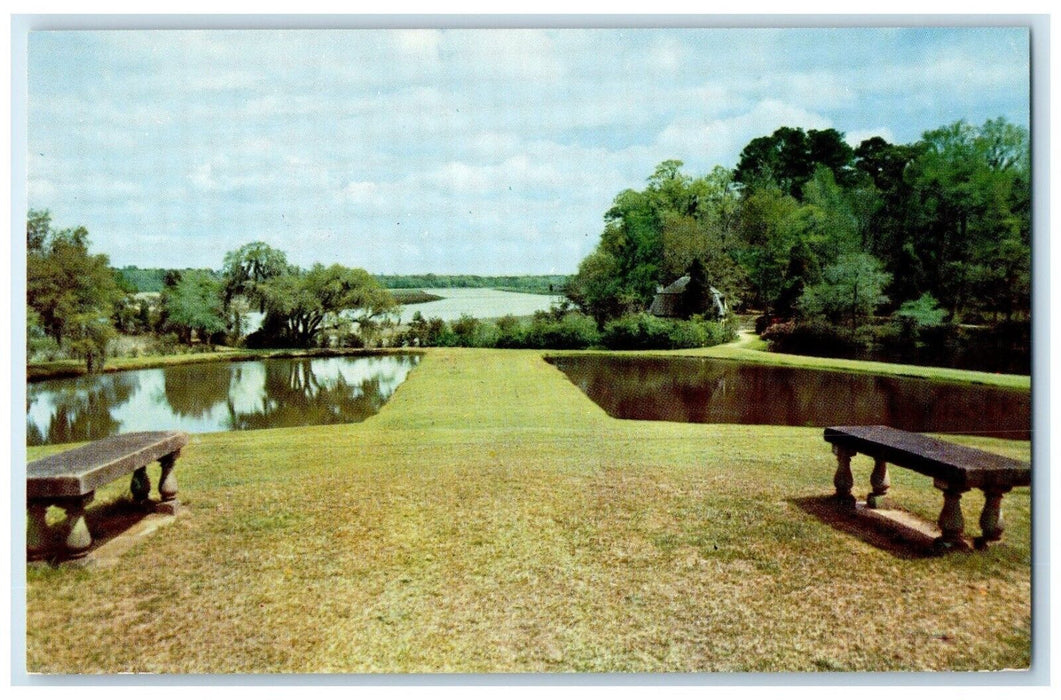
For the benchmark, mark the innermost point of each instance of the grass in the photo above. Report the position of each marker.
(413, 296)
(491, 518)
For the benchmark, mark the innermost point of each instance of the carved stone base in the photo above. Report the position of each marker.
(168, 507)
(879, 501)
(944, 545)
(845, 501)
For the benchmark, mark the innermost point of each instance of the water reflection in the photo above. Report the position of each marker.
(703, 391)
(76, 409)
(214, 396)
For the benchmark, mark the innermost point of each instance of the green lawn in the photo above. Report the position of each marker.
(493, 519)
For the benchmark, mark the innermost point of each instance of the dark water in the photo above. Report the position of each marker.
(692, 390)
(211, 397)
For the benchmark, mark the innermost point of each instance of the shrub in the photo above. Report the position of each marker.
(636, 332)
(510, 333)
(423, 332)
(168, 344)
(810, 338)
(647, 332)
(922, 313)
(351, 340)
(573, 331)
(765, 321)
(470, 332)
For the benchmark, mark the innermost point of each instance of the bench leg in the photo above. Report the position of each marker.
(140, 485)
(951, 523)
(991, 523)
(78, 539)
(38, 535)
(843, 480)
(880, 484)
(167, 484)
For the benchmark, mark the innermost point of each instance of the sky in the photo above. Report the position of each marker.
(484, 151)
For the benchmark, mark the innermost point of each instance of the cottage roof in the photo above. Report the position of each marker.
(677, 286)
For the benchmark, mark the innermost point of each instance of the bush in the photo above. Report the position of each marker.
(567, 330)
(647, 332)
(765, 321)
(637, 332)
(351, 340)
(810, 338)
(469, 332)
(573, 331)
(921, 313)
(168, 344)
(424, 333)
(510, 333)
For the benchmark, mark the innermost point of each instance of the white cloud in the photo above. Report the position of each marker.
(854, 138)
(361, 192)
(41, 192)
(420, 44)
(203, 177)
(665, 56)
(723, 139)
(449, 150)
(528, 54)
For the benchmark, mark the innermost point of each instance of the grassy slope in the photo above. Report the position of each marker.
(492, 518)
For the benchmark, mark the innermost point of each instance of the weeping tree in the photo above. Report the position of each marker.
(299, 305)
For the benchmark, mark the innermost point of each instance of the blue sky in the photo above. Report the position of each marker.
(491, 151)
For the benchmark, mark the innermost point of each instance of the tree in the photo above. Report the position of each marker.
(970, 214)
(657, 235)
(789, 158)
(893, 240)
(596, 287)
(924, 312)
(299, 305)
(852, 288)
(72, 291)
(193, 304)
(248, 267)
(768, 239)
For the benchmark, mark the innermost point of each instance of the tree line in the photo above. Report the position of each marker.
(834, 247)
(531, 284)
(77, 304)
(153, 279)
(811, 232)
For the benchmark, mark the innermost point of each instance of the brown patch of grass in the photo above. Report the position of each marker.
(492, 519)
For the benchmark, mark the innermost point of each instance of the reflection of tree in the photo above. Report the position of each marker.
(714, 392)
(193, 391)
(83, 407)
(268, 394)
(297, 396)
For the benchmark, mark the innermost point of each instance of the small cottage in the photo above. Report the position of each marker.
(670, 301)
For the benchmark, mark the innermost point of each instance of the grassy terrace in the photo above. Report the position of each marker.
(492, 519)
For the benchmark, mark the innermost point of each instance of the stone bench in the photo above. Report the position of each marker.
(954, 469)
(69, 480)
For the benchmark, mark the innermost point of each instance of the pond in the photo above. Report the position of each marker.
(214, 396)
(694, 390)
